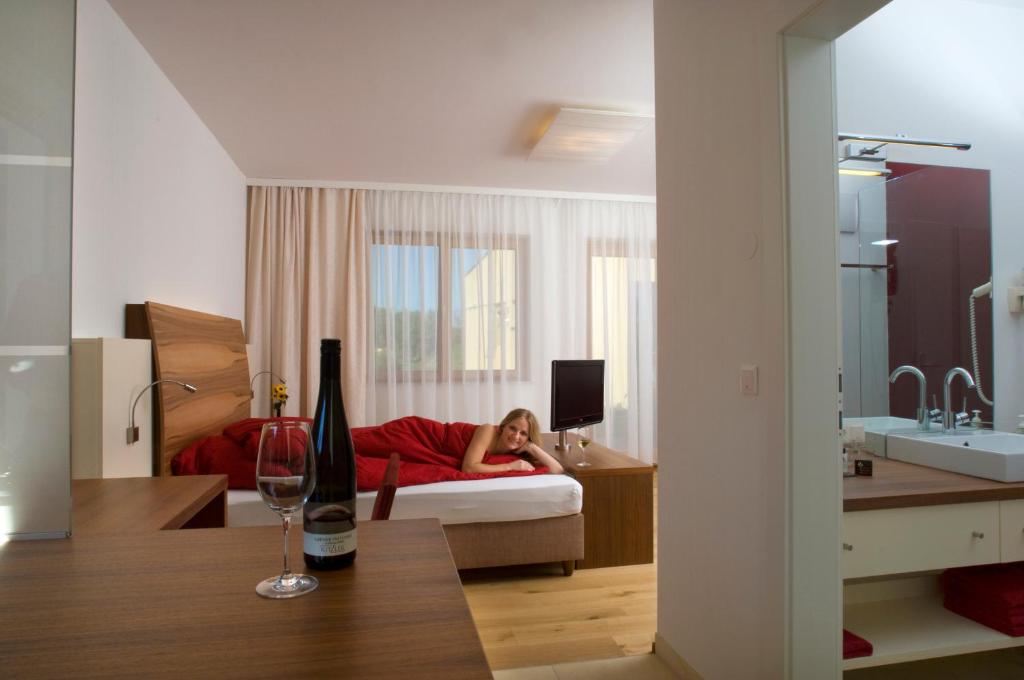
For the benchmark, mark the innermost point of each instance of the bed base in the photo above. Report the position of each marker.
(535, 541)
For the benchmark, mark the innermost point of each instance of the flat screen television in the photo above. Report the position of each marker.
(577, 393)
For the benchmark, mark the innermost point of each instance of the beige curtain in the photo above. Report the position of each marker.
(307, 278)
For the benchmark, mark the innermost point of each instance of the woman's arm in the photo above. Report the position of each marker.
(473, 460)
(544, 458)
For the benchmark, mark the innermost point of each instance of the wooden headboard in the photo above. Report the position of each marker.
(204, 350)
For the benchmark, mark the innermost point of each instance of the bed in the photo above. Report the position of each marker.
(490, 522)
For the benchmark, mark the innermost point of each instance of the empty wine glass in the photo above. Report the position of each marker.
(285, 476)
(585, 434)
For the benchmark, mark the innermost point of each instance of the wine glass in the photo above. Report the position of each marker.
(285, 477)
(585, 434)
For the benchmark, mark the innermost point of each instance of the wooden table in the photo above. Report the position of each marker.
(135, 504)
(618, 504)
(896, 484)
(182, 604)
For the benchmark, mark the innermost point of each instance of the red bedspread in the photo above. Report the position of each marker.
(430, 451)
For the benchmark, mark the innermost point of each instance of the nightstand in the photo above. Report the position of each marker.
(618, 504)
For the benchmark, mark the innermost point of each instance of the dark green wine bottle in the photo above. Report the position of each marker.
(329, 516)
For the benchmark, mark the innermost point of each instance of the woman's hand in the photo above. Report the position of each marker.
(518, 465)
(544, 458)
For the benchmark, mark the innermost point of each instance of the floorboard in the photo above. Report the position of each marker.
(534, 616)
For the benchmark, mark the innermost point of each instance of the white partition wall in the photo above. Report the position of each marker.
(37, 40)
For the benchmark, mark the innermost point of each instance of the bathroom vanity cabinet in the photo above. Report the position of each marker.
(901, 528)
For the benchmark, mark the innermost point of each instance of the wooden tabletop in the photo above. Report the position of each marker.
(896, 484)
(603, 461)
(182, 604)
(140, 503)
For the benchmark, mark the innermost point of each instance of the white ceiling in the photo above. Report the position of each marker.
(447, 92)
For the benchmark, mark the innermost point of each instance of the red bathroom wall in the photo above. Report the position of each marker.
(940, 216)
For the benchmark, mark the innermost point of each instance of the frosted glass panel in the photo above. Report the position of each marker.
(37, 52)
(35, 491)
(35, 214)
(36, 94)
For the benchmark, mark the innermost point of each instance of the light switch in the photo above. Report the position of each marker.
(748, 380)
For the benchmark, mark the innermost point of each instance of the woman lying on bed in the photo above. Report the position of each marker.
(519, 434)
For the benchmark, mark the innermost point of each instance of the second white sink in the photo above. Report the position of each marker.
(991, 455)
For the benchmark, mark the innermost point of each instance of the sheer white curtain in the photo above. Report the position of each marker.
(472, 297)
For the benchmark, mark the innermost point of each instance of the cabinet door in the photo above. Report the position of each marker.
(901, 540)
(1011, 531)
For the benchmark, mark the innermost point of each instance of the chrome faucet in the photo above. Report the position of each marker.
(922, 390)
(949, 419)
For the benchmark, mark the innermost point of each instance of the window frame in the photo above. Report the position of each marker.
(600, 247)
(446, 244)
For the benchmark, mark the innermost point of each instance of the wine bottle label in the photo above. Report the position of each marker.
(329, 545)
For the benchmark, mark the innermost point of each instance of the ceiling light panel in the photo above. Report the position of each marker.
(589, 135)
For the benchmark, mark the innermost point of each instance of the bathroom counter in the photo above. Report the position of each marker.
(917, 522)
(896, 484)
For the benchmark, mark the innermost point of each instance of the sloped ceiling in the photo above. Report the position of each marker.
(409, 91)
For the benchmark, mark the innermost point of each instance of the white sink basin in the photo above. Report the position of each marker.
(992, 455)
(877, 427)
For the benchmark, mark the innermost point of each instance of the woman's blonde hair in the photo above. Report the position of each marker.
(531, 421)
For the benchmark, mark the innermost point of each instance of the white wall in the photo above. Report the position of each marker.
(722, 481)
(159, 206)
(951, 69)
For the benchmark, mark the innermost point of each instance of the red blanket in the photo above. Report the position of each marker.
(430, 451)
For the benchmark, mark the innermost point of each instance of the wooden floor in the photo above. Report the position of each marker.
(534, 616)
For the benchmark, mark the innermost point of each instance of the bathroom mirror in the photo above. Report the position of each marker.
(914, 246)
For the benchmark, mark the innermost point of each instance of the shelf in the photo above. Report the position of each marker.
(911, 629)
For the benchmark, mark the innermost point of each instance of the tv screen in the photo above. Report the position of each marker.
(577, 393)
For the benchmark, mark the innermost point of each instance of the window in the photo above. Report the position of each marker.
(621, 293)
(447, 312)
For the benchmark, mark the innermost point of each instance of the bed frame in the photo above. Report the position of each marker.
(208, 351)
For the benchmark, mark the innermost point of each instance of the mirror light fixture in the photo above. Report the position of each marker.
(133, 429)
(252, 391)
(908, 141)
(864, 172)
(885, 242)
(589, 134)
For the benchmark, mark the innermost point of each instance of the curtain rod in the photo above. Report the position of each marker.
(443, 189)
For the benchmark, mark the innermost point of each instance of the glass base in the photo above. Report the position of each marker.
(277, 588)
(583, 463)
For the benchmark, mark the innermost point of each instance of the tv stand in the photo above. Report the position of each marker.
(618, 504)
(563, 442)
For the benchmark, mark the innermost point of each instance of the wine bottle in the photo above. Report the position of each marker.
(329, 516)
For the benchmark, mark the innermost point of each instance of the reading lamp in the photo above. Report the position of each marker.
(252, 393)
(133, 429)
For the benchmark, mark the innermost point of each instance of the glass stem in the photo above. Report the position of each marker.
(286, 575)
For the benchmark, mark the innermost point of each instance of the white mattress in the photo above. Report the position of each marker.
(502, 499)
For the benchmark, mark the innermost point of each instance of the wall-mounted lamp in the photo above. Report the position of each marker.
(133, 430)
(908, 141)
(252, 392)
(881, 172)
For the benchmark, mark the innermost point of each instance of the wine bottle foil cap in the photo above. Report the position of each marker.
(329, 344)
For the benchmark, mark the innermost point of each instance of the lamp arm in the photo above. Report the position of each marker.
(133, 432)
(252, 392)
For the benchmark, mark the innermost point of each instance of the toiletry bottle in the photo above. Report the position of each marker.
(976, 420)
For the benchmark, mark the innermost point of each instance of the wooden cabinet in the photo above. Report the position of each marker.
(1011, 531)
(902, 540)
(618, 505)
(901, 528)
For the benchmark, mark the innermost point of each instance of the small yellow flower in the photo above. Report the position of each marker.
(279, 393)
